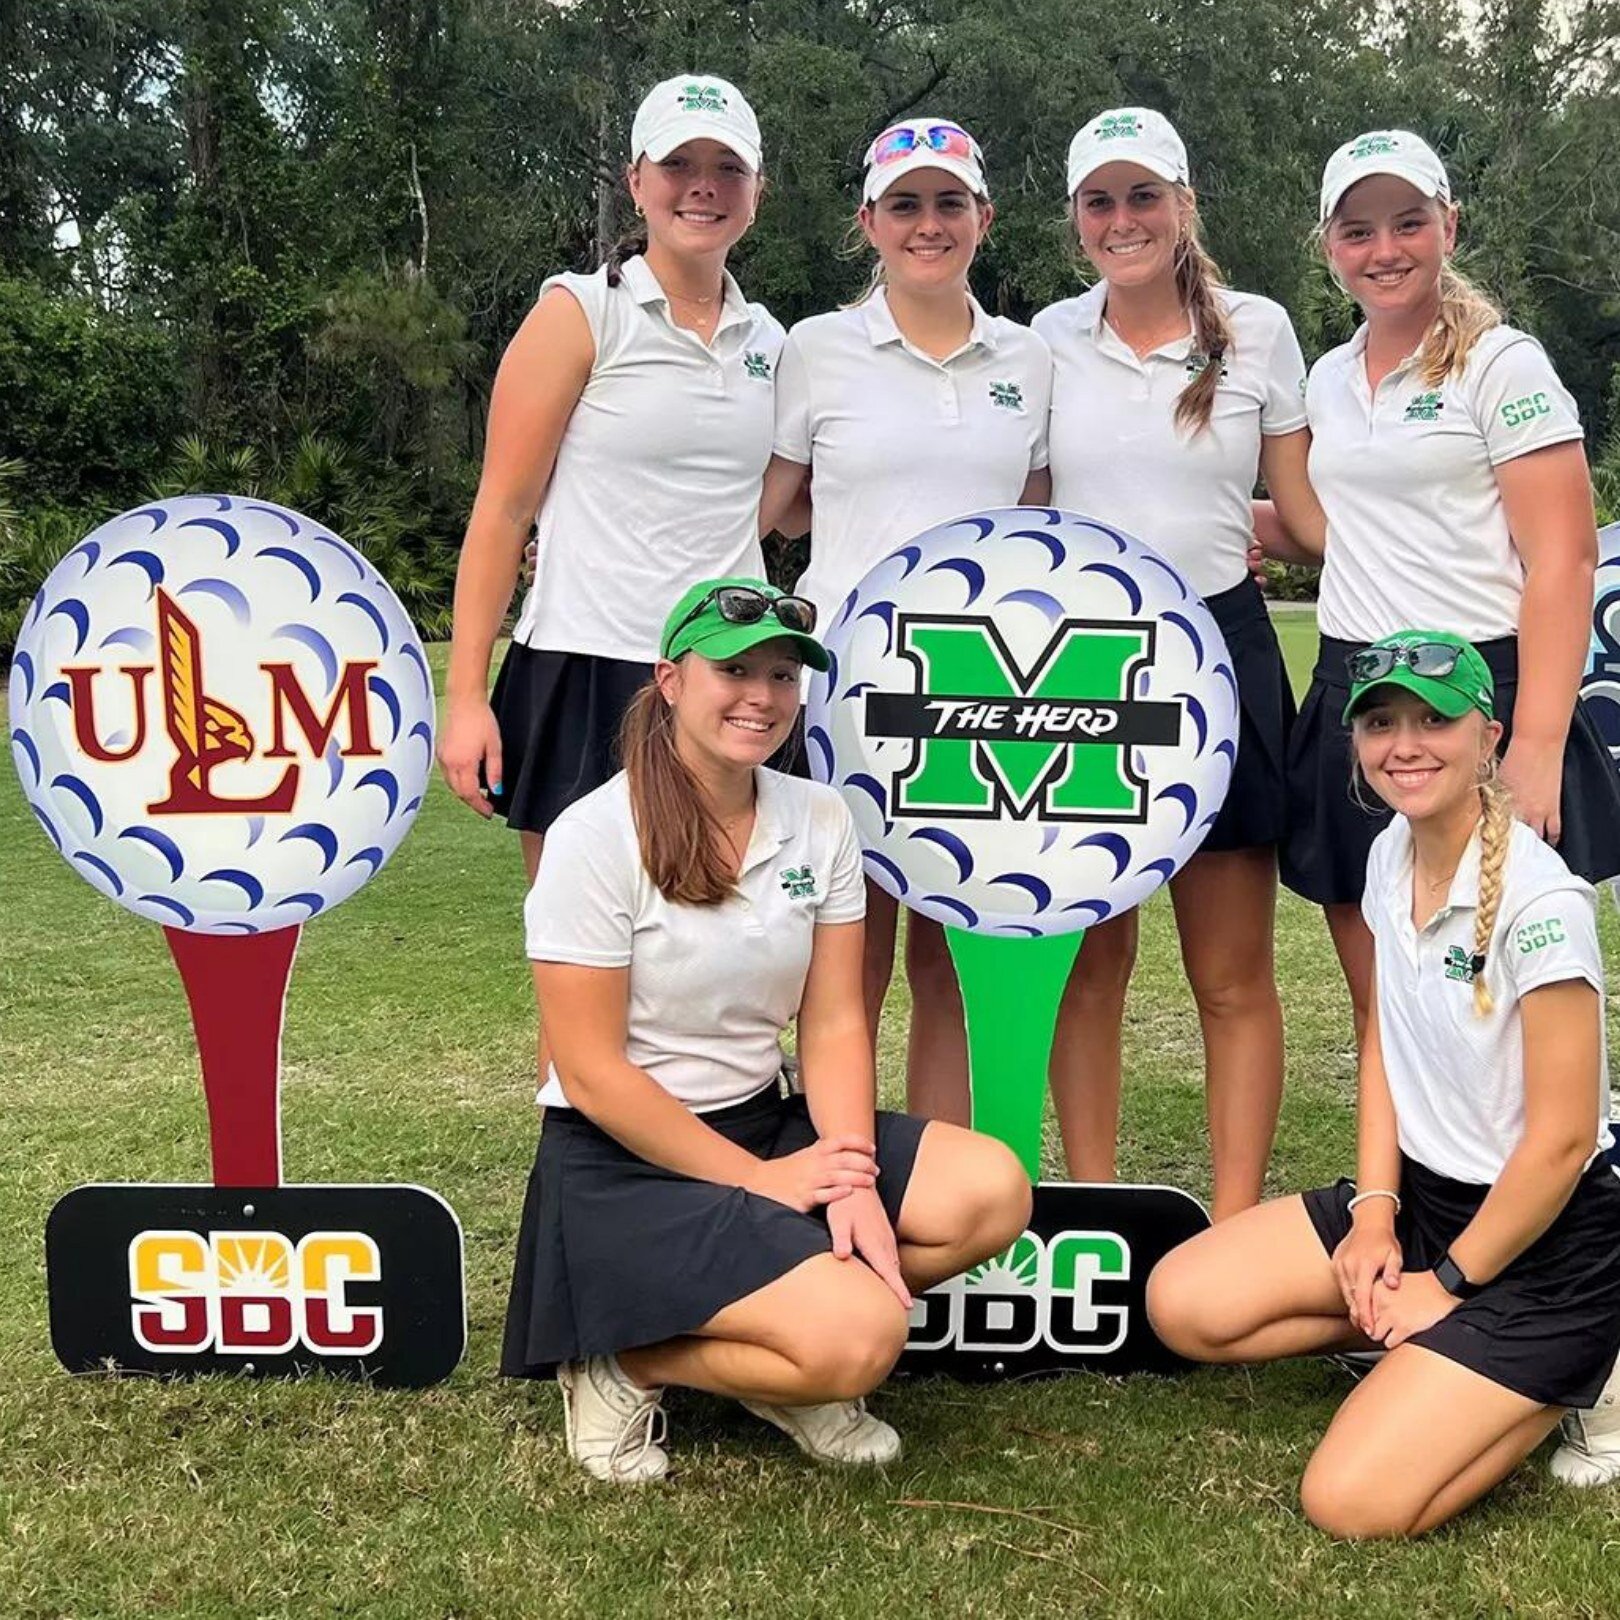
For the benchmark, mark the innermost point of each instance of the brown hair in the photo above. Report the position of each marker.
(1495, 834)
(677, 831)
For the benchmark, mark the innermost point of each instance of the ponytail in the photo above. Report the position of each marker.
(628, 246)
(1495, 834)
(1197, 277)
(1466, 314)
(677, 832)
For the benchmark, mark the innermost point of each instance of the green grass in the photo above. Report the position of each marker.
(409, 1057)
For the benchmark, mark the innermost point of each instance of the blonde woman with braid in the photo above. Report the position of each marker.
(1480, 1242)
(1171, 393)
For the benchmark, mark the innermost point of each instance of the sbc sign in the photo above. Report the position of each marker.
(361, 1281)
(1070, 1292)
(244, 1292)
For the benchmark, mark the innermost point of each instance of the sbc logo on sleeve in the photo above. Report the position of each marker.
(1520, 411)
(1537, 936)
(1070, 1292)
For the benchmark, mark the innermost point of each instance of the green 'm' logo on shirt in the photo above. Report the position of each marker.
(1519, 411)
(798, 882)
(1008, 395)
(1537, 936)
(1425, 407)
(1198, 364)
(702, 98)
(756, 365)
(1460, 965)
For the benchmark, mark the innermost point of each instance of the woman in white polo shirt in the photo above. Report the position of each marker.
(633, 411)
(1447, 456)
(1482, 1249)
(1170, 395)
(685, 1222)
(905, 409)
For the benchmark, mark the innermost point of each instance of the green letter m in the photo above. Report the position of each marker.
(1059, 774)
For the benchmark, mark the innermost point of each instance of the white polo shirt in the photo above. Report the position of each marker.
(898, 441)
(1456, 1079)
(1117, 454)
(711, 987)
(657, 479)
(1416, 529)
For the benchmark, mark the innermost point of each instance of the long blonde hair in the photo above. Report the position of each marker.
(1197, 277)
(1495, 834)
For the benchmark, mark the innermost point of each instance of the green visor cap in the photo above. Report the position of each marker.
(1467, 686)
(695, 624)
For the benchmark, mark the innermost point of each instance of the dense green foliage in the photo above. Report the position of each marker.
(266, 224)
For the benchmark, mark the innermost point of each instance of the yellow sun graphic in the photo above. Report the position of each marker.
(253, 1265)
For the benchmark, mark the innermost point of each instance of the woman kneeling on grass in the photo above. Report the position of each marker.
(1483, 1247)
(687, 1223)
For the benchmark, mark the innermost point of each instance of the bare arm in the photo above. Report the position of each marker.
(784, 501)
(1562, 1031)
(541, 377)
(1037, 488)
(1547, 496)
(1290, 526)
(835, 1050)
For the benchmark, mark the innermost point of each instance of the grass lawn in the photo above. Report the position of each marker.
(409, 1057)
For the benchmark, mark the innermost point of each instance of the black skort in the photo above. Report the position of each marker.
(615, 1252)
(1548, 1326)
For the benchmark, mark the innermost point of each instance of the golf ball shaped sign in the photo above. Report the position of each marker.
(1033, 718)
(221, 714)
(1601, 685)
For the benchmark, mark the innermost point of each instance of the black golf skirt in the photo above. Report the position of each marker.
(1548, 1326)
(615, 1252)
(1254, 812)
(1324, 856)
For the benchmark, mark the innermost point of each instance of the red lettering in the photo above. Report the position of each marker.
(273, 1330)
(152, 1323)
(82, 687)
(351, 695)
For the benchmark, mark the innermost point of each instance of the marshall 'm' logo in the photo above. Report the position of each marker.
(206, 733)
(993, 739)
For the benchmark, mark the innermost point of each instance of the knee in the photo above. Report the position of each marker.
(1350, 1508)
(993, 1197)
(852, 1352)
(929, 970)
(1237, 989)
(1179, 1307)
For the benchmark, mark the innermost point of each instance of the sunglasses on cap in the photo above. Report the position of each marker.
(948, 140)
(1434, 659)
(742, 604)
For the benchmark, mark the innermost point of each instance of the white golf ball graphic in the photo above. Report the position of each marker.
(221, 714)
(1601, 685)
(980, 675)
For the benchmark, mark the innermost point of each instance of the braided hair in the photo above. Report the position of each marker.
(1495, 834)
(1197, 278)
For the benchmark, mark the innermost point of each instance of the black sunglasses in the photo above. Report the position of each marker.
(742, 604)
(1432, 658)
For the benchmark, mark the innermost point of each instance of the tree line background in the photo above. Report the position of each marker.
(278, 245)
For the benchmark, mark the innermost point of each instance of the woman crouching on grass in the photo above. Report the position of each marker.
(686, 1222)
(1482, 1249)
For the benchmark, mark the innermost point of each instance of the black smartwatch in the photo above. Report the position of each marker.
(1450, 1277)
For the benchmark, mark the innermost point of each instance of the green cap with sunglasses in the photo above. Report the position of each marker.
(720, 618)
(1442, 669)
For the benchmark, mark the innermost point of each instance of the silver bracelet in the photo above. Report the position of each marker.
(1376, 1192)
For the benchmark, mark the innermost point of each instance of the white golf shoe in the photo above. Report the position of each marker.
(614, 1426)
(1589, 1453)
(834, 1431)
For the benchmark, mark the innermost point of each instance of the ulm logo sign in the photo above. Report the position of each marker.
(994, 739)
(1067, 1292)
(206, 733)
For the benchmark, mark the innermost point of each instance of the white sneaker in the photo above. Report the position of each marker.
(1590, 1452)
(834, 1431)
(614, 1426)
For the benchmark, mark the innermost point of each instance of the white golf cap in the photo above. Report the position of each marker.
(693, 107)
(923, 143)
(1383, 151)
(1128, 135)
